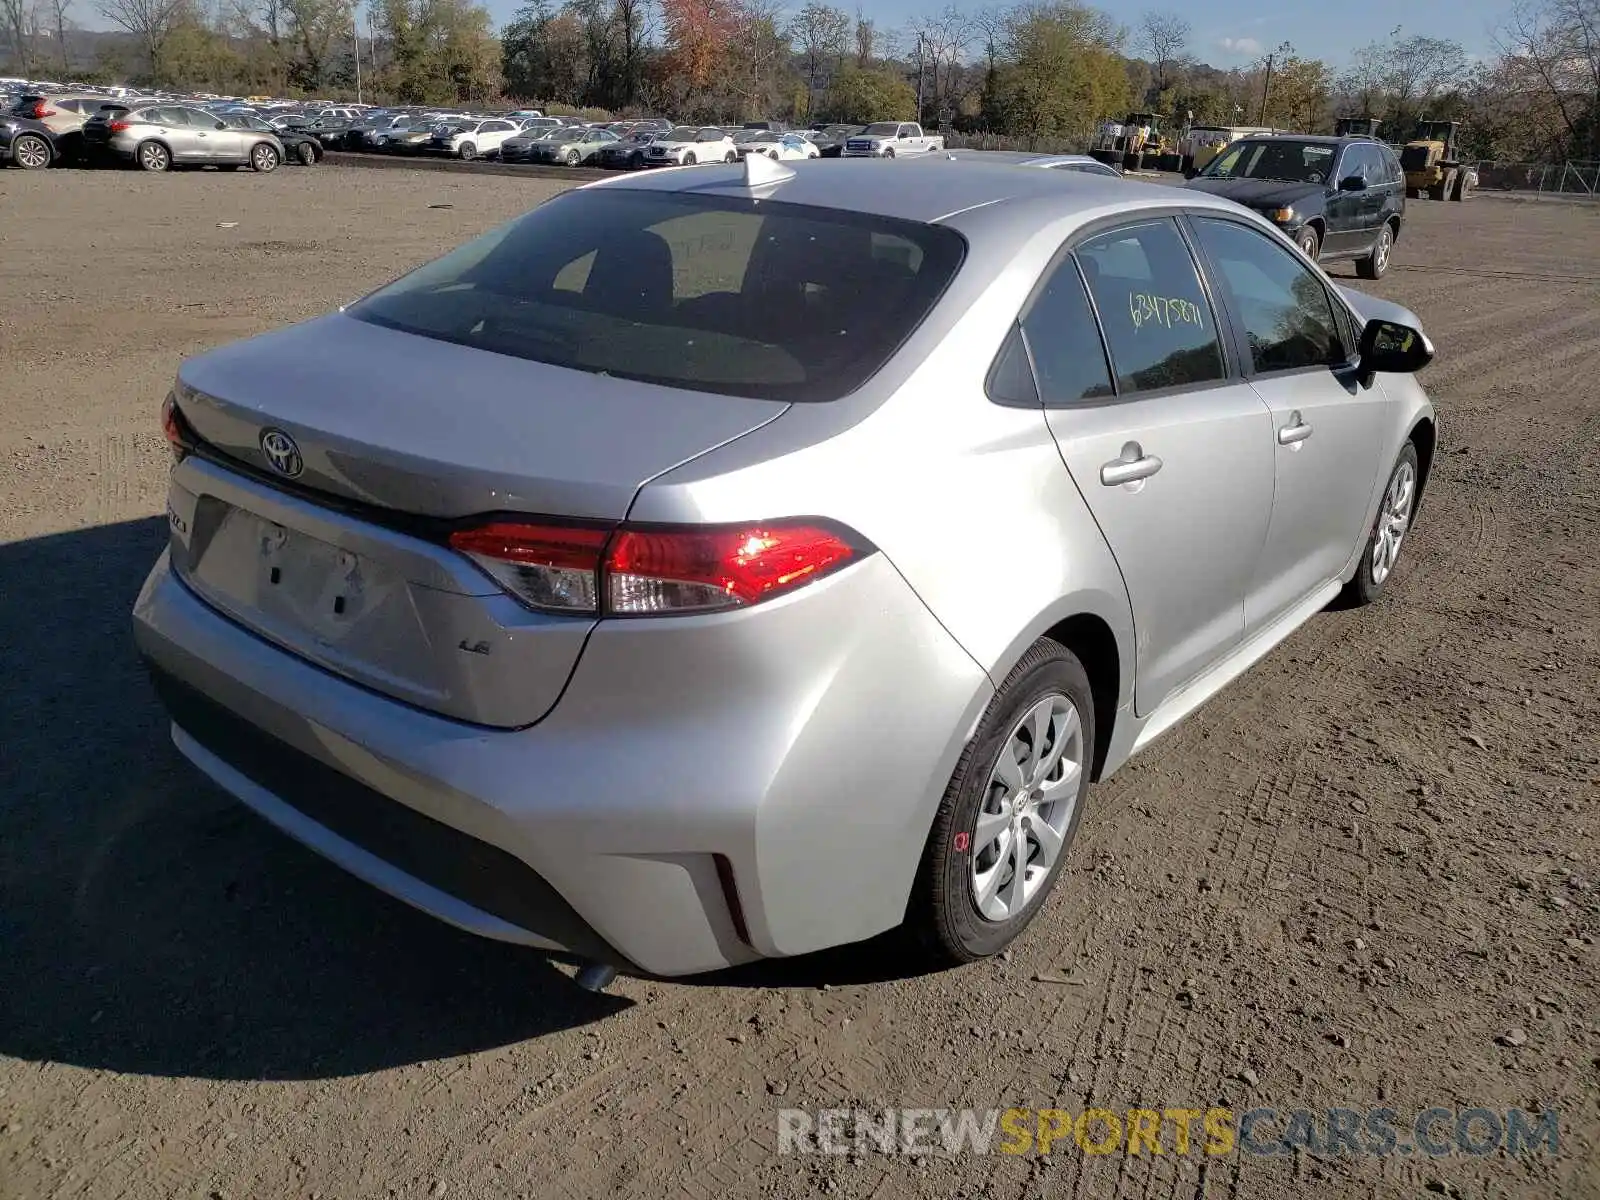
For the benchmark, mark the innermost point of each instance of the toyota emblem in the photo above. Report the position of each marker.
(283, 456)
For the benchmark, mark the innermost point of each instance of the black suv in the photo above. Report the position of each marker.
(1335, 197)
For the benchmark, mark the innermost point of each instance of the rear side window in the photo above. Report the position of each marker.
(1158, 322)
(1069, 360)
(744, 297)
(1284, 308)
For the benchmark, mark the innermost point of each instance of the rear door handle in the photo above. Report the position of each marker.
(1295, 432)
(1133, 466)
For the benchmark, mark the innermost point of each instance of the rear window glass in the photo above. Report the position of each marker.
(739, 296)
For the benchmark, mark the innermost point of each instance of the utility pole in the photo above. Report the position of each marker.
(920, 60)
(355, 30)
(1266, 90)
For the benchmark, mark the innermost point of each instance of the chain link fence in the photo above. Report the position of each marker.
(1568, 178)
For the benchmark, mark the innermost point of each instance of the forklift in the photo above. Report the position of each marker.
(1134, 144)
(1433, 165)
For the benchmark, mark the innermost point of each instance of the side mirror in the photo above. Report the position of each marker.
(1352, 183)
(1393, 349)
(220, 125)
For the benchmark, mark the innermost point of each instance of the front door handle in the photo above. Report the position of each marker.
(1133, 466)
(1295, 432)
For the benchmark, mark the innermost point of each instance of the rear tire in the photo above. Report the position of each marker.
(1413, 193)
(960, 863)
(31, 152)
(1375, 264)
(1396, 511)
(153, 156)
(1463, 187)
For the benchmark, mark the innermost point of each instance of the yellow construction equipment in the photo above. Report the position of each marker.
(1133, 144)
(1433, 164)
(1205, 142)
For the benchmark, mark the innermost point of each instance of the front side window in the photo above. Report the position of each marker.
(1157, 319)
(1285, 310)
(744, 297)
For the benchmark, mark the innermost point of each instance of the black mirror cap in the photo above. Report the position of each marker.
(1393, 349)
(1352, 183)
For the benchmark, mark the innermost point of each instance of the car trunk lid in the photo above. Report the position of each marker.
(332, 546)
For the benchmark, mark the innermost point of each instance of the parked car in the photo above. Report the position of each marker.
(725, 688)
(830, 139)
(1071, 163)
(687, 145)
(520, 148)
(573, 147)
(472, 138)
(63, 115)
(1336, 198)
(27, 143)
(298, 146)
(627, 152)
(888, 139)
(157, 137)
(779, 146)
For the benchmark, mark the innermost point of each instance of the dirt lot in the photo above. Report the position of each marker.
(1350, 881)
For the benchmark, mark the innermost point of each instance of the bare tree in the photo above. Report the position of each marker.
(1556, 48)
(1164, 41)
(941, 39)
(989, 25)
(58, 18)
(821, 33)
(149, 21)
(14, 22)
(866, 39)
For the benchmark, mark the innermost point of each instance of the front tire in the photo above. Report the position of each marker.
(468, 152)
(306, 153)
(31, 152)
(689, 159)
(889, 153)
(1389, 529)
(1309, 241)
(573, 158)
(1010, 813)
(153, 156)
(1375, 264)
(263, 158)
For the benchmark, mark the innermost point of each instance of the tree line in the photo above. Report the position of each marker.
(1038, 71)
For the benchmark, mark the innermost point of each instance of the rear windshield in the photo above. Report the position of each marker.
(720, 294)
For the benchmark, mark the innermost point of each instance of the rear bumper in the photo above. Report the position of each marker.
(756, 784)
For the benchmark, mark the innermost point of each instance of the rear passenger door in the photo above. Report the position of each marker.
(1328, 431)
(1170, 450)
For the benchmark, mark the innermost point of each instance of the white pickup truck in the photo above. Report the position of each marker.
(885, 139)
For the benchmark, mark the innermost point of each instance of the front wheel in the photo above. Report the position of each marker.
(1309, 242)
(264, 158)
(468, 152)
(1375, 264)
(731, 156)
(889, 153)
(573, 158)
(1389, 529)
(306, 153)
(1010, 812)
(30, 152)
(689, 159)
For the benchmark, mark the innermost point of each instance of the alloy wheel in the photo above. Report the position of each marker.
(264, 158)
(1027, 807)
(1394, 519)
(31, 153)
(1380, 252)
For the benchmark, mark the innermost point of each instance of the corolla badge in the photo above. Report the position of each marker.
(283, 456)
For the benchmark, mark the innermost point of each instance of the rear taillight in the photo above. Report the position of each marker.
(176, 429)
(655, 570)
(40, 111)
(119, 126)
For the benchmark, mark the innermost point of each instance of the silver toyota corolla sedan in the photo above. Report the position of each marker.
(734, 562)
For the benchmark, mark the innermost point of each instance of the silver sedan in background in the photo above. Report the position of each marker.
(753, 559)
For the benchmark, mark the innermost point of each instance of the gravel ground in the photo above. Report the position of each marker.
(1365, 875)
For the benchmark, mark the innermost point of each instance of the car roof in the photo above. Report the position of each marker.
(881, 188)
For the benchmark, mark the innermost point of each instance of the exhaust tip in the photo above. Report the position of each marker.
(596, 977)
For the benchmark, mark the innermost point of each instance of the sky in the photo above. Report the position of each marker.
(1230, 33)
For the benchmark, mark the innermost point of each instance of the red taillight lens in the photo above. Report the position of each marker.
(688, 570)
(175, 428)
(40, 111)
(555, 568)
(653, 570)
(119, 126)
